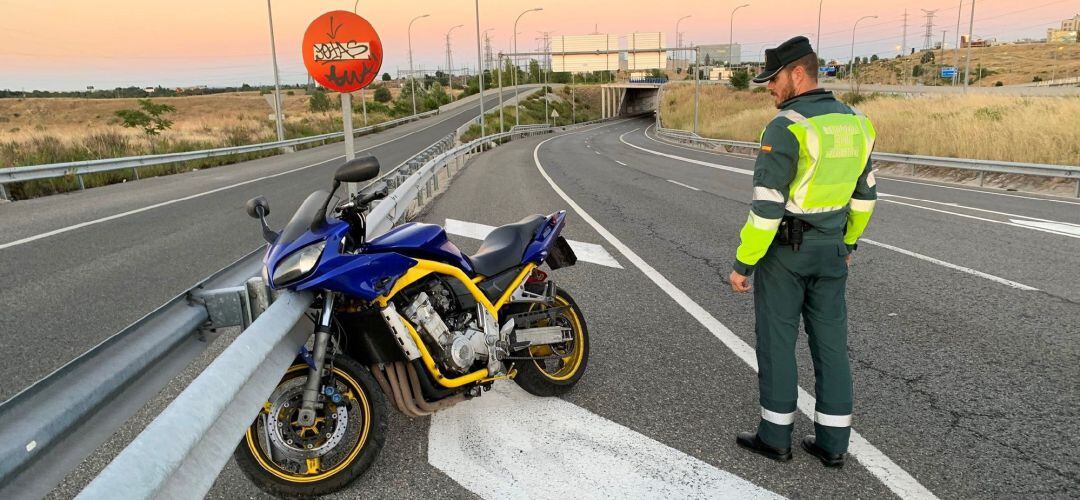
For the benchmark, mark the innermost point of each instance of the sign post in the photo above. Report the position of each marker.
(343, 53)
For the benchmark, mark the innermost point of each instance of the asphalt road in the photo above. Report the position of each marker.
(963, 321)
(120, 251)
(967, 384)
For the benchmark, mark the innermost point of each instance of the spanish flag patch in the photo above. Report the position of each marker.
(765, 148)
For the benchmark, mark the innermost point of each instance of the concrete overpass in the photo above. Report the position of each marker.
(627, 99)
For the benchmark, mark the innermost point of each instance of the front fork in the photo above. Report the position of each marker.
(306, 415)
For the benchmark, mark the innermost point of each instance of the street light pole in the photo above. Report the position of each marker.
(412, 76)
(480, 74)
(956, 52)
(277, 82)
(731, 34)
(851, 62)
(517, 119)
(971, 35)
(450, 61)
(678, 37)
(697, 86)
(817, 39)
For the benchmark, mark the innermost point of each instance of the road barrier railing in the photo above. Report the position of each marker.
(980, 166)
(50, 427)
(79, 168)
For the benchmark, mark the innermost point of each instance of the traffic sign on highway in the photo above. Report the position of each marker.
(342, 51)
(948, 72)
(554, 113)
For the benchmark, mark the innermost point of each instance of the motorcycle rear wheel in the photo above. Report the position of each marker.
(555, 377)
(294, 466)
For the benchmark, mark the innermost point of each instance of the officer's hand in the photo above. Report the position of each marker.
(847, 259)
(739, 283)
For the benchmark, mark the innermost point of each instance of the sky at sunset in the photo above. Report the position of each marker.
(68, 45)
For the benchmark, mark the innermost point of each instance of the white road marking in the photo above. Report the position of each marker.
(1007, 195)
(957, 205)
(156, 205)
(687, 160)
(908, 181)
(597, 152)
(984, 219)
(586, 252)
(683, 185)
(509, 444)
(620, 163)
(950, 265)
(1061, 227)
(199, 195)
(888, 472)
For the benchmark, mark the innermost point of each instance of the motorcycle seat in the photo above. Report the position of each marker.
(504, 247)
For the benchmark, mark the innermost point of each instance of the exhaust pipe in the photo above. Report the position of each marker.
(401, 383)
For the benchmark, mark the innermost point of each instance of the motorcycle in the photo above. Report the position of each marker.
(403, 320)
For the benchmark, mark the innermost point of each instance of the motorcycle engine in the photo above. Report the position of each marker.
(454, 336)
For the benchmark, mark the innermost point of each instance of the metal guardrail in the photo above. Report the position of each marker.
(980, 166)
(61, 419)
(80, 168)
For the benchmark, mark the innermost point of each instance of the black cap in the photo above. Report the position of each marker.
(784, 54)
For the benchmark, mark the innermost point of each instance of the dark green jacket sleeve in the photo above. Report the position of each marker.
(863, 200)
(775, 168)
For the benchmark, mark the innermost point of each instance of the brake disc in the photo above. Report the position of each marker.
(296, 444)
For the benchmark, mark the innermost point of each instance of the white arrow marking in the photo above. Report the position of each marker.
(586, 252)
(509, 444)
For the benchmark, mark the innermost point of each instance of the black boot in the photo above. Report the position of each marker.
(752, 442)
(809, 443)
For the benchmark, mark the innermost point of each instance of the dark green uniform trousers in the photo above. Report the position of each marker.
(808, 283)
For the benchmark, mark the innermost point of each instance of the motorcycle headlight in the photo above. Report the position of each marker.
(298, 264)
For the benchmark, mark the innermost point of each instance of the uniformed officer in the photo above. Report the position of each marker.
(813, 196)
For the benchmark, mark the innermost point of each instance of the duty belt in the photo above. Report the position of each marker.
(791, 232)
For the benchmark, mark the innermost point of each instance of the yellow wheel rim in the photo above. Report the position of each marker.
(572, 361)
(313, 466)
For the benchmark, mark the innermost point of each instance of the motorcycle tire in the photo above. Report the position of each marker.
(284, 470)
(555, 377)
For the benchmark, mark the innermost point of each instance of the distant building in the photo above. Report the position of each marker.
(1071, 24)
(149, 90)
(718, 54)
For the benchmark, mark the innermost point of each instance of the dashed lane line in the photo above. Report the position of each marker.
(620, 163)
(888, 472)
(683, 185)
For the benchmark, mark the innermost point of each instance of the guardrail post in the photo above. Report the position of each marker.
(1077, 188)
(135, 172)
(81, 185)
(4, 195)
(981, 178)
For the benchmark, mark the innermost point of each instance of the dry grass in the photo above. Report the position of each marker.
(990, 127)
(1008, 64)
(197, 118)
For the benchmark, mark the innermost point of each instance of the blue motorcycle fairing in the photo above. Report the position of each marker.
(331, 231)
(537, 251)
(420, 241)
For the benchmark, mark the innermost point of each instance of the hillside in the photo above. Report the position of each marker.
(1008, 64)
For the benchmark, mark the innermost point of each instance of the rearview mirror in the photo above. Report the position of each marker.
(358, 170)
(258, 207)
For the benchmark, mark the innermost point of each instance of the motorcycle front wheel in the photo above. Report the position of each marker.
(289, 460)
